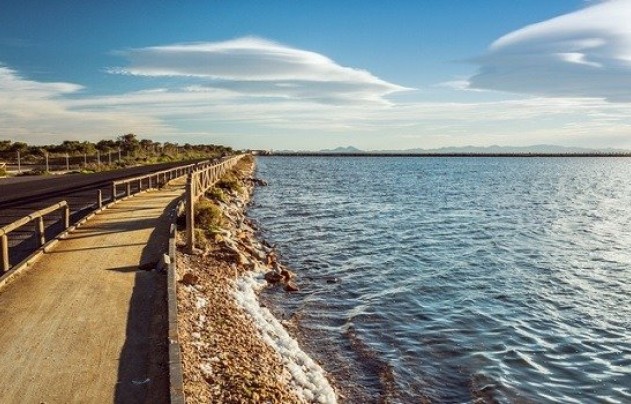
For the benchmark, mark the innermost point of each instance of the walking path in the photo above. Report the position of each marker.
(88, 323)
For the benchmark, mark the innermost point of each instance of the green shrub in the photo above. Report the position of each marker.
(208, 216)
(230, 183)
(244, 162)
(201, 241)
(216, 194)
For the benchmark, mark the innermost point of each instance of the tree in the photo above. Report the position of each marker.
(129, 143)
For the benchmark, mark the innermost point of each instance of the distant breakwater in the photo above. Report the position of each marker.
(368, 154)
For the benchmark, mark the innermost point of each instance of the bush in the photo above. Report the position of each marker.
(208, 216)
(216, 194)
(230, 183)
(244, 162)
(3, 172)
(201, 241)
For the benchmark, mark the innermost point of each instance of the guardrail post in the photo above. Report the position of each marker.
(190, 212)
(4, 247)
(99, 199)
(113, 191)
(128, 191)
(149, 180)
(41, 234)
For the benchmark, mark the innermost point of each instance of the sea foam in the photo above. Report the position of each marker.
(307, 377)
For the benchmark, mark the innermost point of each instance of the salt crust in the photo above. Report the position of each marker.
(307, 377)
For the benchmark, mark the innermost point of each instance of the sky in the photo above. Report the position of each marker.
(310, 75)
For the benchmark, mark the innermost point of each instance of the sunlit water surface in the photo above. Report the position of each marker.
(457, 279)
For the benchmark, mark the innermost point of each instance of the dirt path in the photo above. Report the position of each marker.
(86, 325)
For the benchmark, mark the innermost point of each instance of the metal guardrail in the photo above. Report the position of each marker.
(198, 182)
(40, 229)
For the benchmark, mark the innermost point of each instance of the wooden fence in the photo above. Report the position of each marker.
(41, 232)
(197, 183)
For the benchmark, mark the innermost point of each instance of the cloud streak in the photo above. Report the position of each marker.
(258, 67)
(41, 112)
(586, 53)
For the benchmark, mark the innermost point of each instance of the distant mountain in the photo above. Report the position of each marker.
(533, 149)
(542, 148)
(347, 149)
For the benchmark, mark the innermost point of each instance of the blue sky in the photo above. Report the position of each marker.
(318, 74)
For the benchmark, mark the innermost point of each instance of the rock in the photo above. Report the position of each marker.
(259, 182)
(273, 277)
(291, 287)
(271, 259)
(190, 279)
(332, 280)
(287, 274)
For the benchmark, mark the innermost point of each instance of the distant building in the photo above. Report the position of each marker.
(261, 152)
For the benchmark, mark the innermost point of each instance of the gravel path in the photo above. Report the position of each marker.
(86, 324)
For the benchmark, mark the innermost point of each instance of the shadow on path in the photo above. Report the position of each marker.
(143, 371)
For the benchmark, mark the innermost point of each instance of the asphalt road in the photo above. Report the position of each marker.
(18, 193)
(20, 198)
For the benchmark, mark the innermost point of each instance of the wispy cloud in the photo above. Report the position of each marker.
(258, 67)
(586, 53)
(41, 112)
(253, 90)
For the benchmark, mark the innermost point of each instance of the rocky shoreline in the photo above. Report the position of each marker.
(234, 350)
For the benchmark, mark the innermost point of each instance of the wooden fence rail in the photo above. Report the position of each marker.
(197, 183)
(156, 179)
(41, 233)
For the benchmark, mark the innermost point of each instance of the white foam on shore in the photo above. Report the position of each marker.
(307, 377)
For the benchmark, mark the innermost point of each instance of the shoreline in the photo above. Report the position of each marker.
(233, 348)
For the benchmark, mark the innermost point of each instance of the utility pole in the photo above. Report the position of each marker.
(85, 159)
(47, 168)
(109, 154)
(19, 166)
(98, 158)
(67, 162)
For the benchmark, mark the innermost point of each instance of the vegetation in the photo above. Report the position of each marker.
(107, 154)
(3, 171)
(216, 194)
(245, 162)
(201, 241)
(208, 216)
(229, 182)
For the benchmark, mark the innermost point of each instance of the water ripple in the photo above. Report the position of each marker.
(458, 280)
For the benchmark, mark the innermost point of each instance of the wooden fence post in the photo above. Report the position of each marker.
(113, 191)
(99, 199)
(41, 233)
(66, 217)
(190, 212)
(4, 247)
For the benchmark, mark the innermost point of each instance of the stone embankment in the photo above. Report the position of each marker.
(233, 350)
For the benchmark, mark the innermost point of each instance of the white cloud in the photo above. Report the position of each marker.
(40, 112)
(257, 67)
(586, 53)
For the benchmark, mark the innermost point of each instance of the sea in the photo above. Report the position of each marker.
(456, 280)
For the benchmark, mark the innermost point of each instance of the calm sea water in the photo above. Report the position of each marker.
(457, 279)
